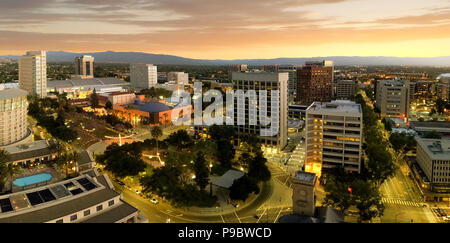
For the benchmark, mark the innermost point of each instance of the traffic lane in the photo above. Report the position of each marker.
(404, 214)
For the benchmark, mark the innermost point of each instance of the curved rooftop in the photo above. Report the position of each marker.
(154, 107)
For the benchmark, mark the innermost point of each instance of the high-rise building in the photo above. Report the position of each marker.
(13, 116)
(33, 73)
(271, 68)
(263, 81)
(143, 76)
(180, 78)
(393, 98)
(84, 67)
(333, 136)
(442, 87)
(315, 82)
(344, 89)
(236, 68)
(292, 84)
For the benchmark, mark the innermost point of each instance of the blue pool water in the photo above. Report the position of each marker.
(30, 180)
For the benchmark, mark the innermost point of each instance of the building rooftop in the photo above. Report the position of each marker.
(305, 176)
(430, 124)
(29, 150)
(70, 83)
(227, 179)
(12, 93)
(436, 149)
(150, 107)
(344, 106)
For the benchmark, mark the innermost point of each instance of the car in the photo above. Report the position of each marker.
(137, 191)
(154, 201)
(119, 182)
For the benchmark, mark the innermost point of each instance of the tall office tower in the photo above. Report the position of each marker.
(303, 193)
(262, 81)
(143, 76)
(33, 73)
(442, 87)
(13, 116)
(84, 67)
(344, 89)
(236, 68)
(333, 136)
(292, 84)
(271, 68)
(315, 82)
(392, 98)
(180, 78)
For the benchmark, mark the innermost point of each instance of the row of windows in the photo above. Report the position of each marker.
(86, 212)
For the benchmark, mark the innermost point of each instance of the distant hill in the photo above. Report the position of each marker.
(139, 57)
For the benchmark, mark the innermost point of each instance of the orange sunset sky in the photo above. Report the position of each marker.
(229, 29)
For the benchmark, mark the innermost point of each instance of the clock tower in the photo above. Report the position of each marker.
(303, 197)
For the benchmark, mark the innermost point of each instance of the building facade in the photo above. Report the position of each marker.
(180, 78)
(393, 98)
(84, 67)
(33, 73)
(344, 89)
(303, 193)
(262, 81)
(315, 82)
(13, 116)
(433, 158)
(333, 136)
(143, 76)
(236, 68)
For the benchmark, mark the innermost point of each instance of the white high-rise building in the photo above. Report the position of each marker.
(13, 116)
(263, 81)
(333, 136)
(33, 73)
(180, 78)
(143, 76)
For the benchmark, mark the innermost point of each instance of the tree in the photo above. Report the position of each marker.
(201, 171)
(156, 132)
(108, 105)
(242, 187)
(94, 99)
(367, 199)
(257, 168)
(66, 159)
(440, 105)
(179, 139)
(4, 167)
(387, 124)
(225, 153)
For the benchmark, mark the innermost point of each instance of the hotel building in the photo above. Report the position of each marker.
(333, 136)
(262, 81)
(84, 67)
(13, 117)
(143, 76)
(33, 73)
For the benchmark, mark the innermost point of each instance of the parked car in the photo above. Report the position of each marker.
(154, 201)
(119, 182)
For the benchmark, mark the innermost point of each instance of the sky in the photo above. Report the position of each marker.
(229, 29)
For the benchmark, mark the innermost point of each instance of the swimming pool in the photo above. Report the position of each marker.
(30, 180)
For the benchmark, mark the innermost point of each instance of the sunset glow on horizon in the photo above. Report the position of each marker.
(239, 29)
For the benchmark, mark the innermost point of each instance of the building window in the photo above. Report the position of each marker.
(99, 207)
(60, 221)
(87, 213)
(73, 217)
(110, 203)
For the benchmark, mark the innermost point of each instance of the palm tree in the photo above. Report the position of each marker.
(4, 171)
(11, 169)
(156, 132)
(67, 158)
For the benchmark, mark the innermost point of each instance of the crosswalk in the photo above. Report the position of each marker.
(400, 202)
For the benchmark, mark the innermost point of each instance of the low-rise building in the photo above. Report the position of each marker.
(433, 160)
(82, 88)
(83, 199)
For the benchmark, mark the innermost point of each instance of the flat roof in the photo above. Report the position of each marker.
(12, 93)
(436, 149)
(227, 179)
(70, 83)
(431, 124)
(345, 106)
(29, 150)
(62, 205)
(305, 176)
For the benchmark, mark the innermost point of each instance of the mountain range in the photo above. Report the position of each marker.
(140, 57)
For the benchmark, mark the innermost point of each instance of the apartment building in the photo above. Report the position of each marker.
(33, 73)
(315, 82)
(333, 136)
